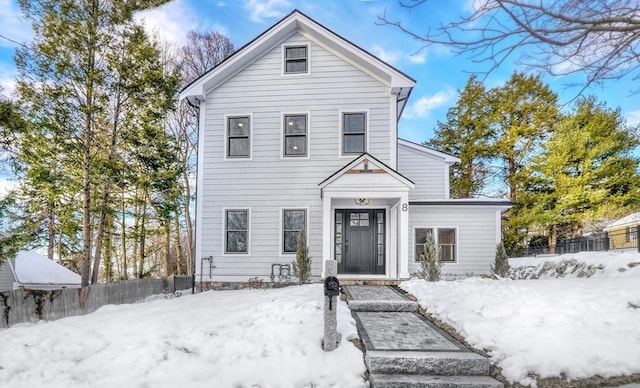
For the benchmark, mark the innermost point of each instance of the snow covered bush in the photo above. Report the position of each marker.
(430, 263)
(500, 265)
(302, 264)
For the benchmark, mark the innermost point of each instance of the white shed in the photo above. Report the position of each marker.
(36, 272)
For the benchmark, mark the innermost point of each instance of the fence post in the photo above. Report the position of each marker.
(606, 241)
(638, 237)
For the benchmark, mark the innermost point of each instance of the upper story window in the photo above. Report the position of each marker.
(295, 135)
(296, 60)
(354, 133)
(238, 137)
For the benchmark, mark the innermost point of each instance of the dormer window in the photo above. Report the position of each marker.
(296, 59)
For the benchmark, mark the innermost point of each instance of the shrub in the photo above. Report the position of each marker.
(500, 266)
(302, 264)
(430, 263)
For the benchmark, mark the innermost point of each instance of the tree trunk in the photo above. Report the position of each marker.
(51, 232)
(167, 247)
(142, 238)
(179, 252)
(123, 225)
(188, 223)
(99, 237)
(553, 238)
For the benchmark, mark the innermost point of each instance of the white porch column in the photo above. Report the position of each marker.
(403, 239)
(393, 243)
(326, 231)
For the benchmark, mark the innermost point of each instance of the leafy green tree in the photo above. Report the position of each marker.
(466, 135)
(587, 170)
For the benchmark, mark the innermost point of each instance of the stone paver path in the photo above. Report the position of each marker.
(404, 349)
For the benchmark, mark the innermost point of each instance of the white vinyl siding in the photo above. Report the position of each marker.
(475, 235)
(269, 182)
(429, 174)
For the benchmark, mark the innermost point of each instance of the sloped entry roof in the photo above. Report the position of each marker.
(34, 269)
(366, 163)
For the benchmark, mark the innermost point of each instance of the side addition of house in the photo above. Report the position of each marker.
(298, 130)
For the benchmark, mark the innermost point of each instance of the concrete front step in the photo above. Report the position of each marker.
(416, 381)
(426, 363)
(383, 305)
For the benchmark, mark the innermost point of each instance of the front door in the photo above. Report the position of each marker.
(360, 241)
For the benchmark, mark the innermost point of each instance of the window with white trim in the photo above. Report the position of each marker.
(445, 239)
(354, 133)
(236, 231)
(293, 221)
(631, 233)
(295, 135)
(238, 137)
(296, 60)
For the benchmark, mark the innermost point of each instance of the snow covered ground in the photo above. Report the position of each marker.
(247, 338)
(551, 327)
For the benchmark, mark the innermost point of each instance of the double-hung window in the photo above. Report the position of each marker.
(354, 133)
(236, 231)
(445, 239)
(631, 234)
(295, 135)
(238, 137)
(296, 59)
(293, 221)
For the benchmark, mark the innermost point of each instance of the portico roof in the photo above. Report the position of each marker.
(371, 169)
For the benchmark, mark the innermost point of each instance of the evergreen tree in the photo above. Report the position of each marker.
(430, 261)
(586, 172)
(302, 264)
(523, 115)
(500, 265)
(466, 135)
(69, 82)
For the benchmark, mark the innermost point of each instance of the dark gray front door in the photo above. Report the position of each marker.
(360, 241)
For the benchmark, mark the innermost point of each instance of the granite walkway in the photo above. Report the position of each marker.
(404, 349)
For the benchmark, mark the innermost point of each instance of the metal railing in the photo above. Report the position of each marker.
(621, 239)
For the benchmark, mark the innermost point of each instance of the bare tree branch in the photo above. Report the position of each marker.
(597, 38)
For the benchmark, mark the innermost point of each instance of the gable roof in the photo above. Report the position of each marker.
(365, 158)
(629, 220)
(296, 21)
(447, 158)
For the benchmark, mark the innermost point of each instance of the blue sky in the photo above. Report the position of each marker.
(439, 74)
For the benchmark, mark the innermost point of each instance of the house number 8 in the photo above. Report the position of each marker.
(405, 207)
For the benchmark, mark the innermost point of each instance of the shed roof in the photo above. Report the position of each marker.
(33, 270)
(630, 220)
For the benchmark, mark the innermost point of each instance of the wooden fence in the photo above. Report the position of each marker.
(25, 305)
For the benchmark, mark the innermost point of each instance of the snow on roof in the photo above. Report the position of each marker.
(633, 219)
(34, 268)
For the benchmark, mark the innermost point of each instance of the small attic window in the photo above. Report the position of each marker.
(295, 59)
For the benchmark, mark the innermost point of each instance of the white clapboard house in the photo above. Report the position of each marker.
(298, 129)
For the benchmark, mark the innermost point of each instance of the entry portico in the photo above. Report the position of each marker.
(365, 222)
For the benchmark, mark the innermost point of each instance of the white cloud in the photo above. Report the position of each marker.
(170, 21)
(633, 118)
(390, 57)
(425, 104)
(261, 9)
(13, 26)
(418, 58)
(7, 79)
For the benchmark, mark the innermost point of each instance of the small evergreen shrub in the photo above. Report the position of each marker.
(500, 266)
(430, 263)
(302, 264)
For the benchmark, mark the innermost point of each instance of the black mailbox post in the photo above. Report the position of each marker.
(331, 289)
